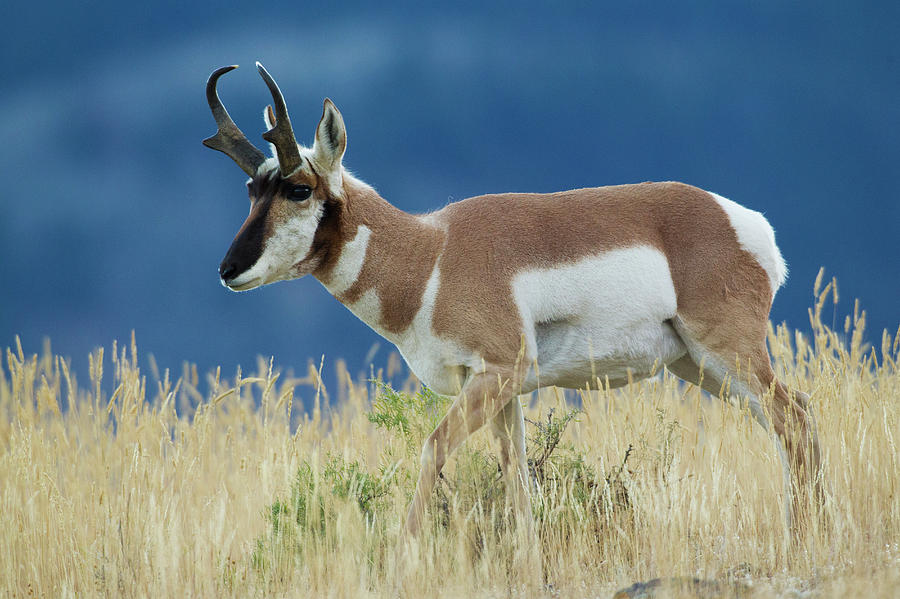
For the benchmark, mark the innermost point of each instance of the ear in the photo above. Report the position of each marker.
(269, 118)
(331, 137)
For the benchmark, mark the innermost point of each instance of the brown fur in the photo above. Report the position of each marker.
(491, 237)
(401, 254)
(488, 239)
(480, 244)
(723, 294)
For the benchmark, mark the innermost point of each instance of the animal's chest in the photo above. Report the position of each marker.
(438, 362)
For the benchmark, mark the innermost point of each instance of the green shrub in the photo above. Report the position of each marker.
(306, 517)
(566, 489)
(411, 416)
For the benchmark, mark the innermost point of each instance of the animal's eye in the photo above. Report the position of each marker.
(298, 193)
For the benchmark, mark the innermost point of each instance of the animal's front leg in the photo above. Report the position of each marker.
(483, 396)
(509, 428)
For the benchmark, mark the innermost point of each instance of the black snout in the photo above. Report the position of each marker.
(247, 246)
(228, 269)
(242, 255)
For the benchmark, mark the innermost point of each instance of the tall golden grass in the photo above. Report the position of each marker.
(126, 486)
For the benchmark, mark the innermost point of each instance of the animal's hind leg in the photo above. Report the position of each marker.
(795, 427)
(711, 381)
(728, 357)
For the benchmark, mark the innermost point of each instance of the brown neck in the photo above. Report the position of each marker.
(400, 256)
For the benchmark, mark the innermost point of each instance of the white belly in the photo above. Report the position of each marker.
(603, 316)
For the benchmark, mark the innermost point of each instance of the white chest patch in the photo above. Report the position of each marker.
(437, 362)
(368, 309)
(756, 236)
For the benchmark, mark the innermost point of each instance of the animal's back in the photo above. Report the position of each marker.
(655, 247)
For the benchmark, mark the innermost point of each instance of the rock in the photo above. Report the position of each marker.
(679, 586)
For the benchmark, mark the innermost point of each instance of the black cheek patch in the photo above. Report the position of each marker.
(247, 247)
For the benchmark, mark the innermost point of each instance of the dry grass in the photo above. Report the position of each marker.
(127, 488)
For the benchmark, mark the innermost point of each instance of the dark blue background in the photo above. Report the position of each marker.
(115, 217)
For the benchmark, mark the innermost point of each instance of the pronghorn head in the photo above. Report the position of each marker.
(290, 193)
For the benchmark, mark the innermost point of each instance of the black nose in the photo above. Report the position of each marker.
(228, 269)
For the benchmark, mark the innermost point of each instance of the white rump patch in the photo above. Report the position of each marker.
(756, 236)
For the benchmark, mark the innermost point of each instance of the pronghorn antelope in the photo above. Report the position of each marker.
(498, 295)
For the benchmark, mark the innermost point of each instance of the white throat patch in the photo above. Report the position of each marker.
(350, 262)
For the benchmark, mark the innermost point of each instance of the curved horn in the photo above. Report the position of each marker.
(229, 139)
(281, 135)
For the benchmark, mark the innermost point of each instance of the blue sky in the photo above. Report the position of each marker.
(115, 217)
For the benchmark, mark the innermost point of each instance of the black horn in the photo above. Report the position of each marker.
(229, 139)
(281, 135)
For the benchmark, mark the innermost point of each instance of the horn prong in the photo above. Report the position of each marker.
(229, 139)
(281, 135)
